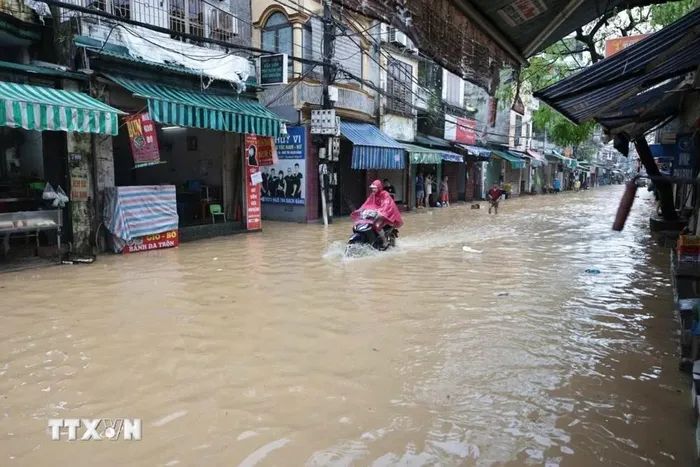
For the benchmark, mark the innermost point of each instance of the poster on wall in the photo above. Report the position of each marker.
(283, 182)
(252, 189)
(460, 129)
(142, 139)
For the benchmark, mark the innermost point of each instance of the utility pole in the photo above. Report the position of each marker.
(327, 176)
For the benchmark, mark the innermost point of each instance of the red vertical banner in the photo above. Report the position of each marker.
(143, 139)
(253, 179)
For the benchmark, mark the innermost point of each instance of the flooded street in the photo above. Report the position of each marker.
(272, 349)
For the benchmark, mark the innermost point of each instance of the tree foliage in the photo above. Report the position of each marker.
(583, 48)
(560, 130)
(665, 14)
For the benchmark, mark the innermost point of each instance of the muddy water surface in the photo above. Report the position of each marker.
(272, 349)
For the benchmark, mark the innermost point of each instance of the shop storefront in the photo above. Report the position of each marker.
(205, 146)
(290, 186)
(476, 160)
(512, 171)
(454, 169)
(366, 153)
(46, 187)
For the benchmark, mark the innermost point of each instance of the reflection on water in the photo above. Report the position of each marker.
(479, 340)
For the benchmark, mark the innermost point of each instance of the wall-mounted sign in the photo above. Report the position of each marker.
(78, 188)
(253, 210)
(460, 129)
(684, 162)
(613, 46)
(283, 183)
(143, 140)
(273, 69)
(157, 241)
(522, 11)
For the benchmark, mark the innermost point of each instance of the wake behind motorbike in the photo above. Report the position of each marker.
(365, 231)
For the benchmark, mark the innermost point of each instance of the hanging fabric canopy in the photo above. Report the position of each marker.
(568, 162)
(371, 148)
(515, 161)
(172, 105)
(40, 108)
(421, 155)
(476, 151)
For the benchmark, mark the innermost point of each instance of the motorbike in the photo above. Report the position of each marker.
(365, 231)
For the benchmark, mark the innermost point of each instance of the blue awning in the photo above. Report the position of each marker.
(372, 149)
(476, 151)
(448, 156)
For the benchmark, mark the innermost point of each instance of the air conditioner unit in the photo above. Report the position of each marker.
(397, 37)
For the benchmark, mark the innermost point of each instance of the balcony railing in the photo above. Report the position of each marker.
(192, 17)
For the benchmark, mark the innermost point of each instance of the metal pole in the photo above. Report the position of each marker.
(327, 187)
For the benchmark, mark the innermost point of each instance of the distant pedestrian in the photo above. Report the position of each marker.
(444, 193)
(428, 189)
(420, 190)
(495, 194)
(577, 185)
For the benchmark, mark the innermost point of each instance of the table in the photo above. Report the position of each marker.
(31, 223)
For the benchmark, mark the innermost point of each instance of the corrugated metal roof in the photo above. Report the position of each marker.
(593, 93)
(432, 141)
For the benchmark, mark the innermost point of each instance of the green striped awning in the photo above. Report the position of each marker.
(515, 161)
(421, 155)
(40, 108)
(199, 109)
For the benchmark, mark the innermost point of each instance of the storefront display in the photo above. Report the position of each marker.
(135, 215)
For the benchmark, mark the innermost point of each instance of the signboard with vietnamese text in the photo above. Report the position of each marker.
(273, 69)
(267, 153)
(460, 129)
(613, 46)
(252, 190)
(683, 163)
(143, 139)
(283, 183)
(79, 188)
(168, 239)
(522, 11)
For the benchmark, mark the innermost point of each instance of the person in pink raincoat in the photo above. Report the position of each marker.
(381, 201)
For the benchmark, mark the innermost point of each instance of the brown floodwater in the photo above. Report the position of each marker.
(272, 349)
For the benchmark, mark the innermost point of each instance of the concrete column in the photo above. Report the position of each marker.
(104, 163)
(228, 183)
(298, 50)
(80, 168)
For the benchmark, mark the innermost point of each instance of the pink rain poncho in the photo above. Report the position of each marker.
(383, 203)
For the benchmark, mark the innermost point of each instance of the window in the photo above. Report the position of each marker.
(119, 8)
(222, 25)
(452, 89)
(187, 16)
(518, 130)
(399, 88)
(277, 37)
(308, 45)
(122, 8)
